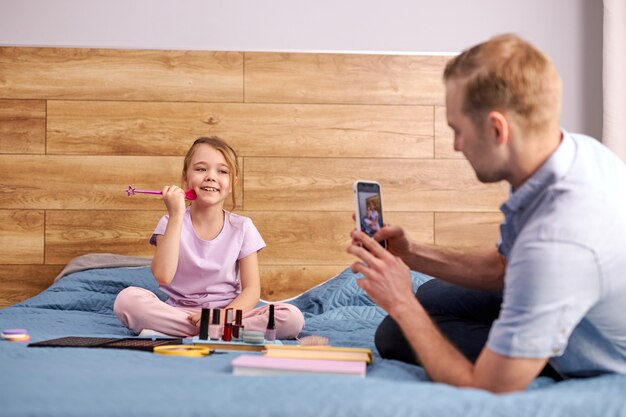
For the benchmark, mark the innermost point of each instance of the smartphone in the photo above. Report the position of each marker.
(368, 207)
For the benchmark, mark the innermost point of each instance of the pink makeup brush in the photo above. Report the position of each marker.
(189, 194)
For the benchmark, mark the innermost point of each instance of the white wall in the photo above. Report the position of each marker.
(570, 31)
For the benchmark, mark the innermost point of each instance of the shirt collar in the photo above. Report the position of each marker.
(554, 168)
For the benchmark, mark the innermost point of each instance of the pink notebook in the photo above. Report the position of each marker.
(263, 365)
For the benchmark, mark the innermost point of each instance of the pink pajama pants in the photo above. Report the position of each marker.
(139, 309)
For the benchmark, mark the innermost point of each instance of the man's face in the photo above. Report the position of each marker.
(478, 144)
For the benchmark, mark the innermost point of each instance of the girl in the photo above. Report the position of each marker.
(205, 256)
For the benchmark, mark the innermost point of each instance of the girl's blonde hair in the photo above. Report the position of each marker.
(230, 156)
(509, 74)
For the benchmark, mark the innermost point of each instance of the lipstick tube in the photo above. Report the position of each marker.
(238, 326)
(215, 330)
(228, 326)
(270, 332)
(204, 324)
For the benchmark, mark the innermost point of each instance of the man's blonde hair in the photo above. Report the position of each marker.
(508, 74)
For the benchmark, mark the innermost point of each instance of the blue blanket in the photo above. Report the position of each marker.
(109, 382)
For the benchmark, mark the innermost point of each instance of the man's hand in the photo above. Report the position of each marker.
(398, 241)
(387, 278)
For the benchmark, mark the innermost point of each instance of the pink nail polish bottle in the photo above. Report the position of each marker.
(215, 330)
(270, 332)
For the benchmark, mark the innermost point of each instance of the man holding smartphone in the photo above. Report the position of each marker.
(553, 290)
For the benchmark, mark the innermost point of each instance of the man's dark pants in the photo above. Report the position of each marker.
(463, 316)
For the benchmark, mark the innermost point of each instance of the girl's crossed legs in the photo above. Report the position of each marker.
(139, 309)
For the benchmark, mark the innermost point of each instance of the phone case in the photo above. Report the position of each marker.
(368, 207)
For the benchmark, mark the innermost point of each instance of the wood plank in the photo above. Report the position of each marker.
(444, 136)
(71, 233)
(22, 109)
(87, 182)
(321, 238)
(467, 229)
(21, 236)
(22, 126)
(19, 282)
(343, 78)
(116, 74)
(326, 184)
(279, 282)
(292, 238)
(143, 128)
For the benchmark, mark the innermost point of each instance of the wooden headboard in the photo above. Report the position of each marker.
(77, 126)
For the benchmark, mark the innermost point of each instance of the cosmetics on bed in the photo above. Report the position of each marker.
(215, 330)
(270, 332)
(228, 326)
(253, 337)
(204, 324)
(16, 335)
(238, 326)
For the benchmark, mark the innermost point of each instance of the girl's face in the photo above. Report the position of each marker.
(208, 175)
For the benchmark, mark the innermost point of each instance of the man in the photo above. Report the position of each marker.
(554, 288)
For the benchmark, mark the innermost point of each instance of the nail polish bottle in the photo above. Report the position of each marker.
(204, 324)
(270, 332)
(215, 330)
(238, 326)
(228, 326)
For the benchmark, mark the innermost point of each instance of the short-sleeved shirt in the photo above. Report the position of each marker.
(564, 238)
(207, 272)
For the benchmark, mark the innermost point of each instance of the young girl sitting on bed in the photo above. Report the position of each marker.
(205, 256)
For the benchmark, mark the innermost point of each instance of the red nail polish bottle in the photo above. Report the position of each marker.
(228, 326)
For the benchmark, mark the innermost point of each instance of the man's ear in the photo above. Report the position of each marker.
(499, 125)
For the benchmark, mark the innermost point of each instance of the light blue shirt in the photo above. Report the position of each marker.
(564, 238)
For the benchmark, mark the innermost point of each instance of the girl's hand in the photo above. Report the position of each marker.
(174, 199)
(194, 318)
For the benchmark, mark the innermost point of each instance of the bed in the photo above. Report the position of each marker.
(111, 382)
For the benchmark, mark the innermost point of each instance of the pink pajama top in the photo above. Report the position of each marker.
(208, 270)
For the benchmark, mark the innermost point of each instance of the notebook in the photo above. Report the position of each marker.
(255, 365)
(133, 343)
(320, 352)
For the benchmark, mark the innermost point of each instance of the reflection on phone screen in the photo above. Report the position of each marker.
(369, 207)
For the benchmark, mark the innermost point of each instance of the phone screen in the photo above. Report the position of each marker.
(369, 207)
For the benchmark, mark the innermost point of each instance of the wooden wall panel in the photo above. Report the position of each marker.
(21, 236)
(19, 282)
(408, 184)
(467, 229)
(77, 126)
(139, 128)
(71, 233)
(279, 282)
(444, 136)
(340, 78)
(109, 74)
(22, 126)
(321, 238)
(86, 182)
